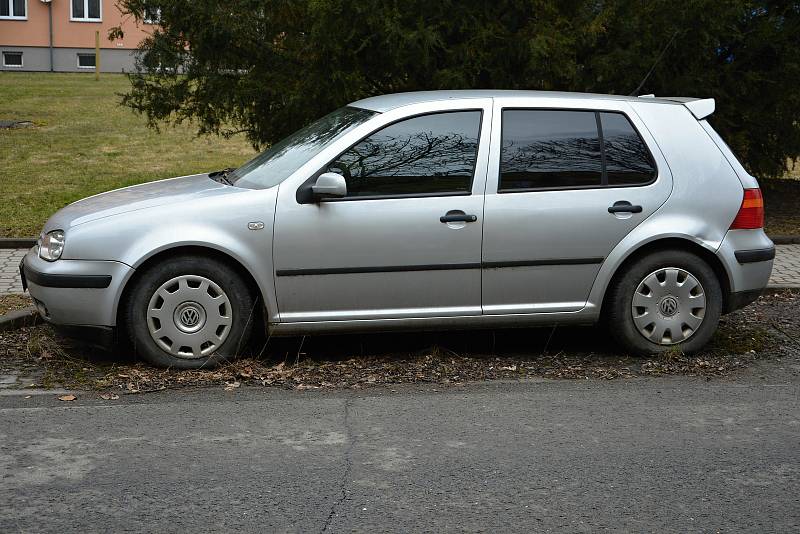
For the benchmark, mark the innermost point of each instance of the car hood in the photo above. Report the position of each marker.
(137, 197)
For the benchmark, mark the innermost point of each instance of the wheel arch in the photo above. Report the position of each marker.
(185, 250)
(672, 243)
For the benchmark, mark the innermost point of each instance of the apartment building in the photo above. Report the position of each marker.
(59, 35)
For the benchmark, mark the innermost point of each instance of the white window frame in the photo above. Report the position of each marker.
(85, 12)
(11, 15)
(157, 20)
(21, 59)
(78, 60)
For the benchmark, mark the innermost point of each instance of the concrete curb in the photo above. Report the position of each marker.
(19, 318)
(17, 242)
(786, 239)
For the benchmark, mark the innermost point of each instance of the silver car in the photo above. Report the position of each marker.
(428, 210)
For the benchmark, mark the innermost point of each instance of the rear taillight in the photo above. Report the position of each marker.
(751, 214)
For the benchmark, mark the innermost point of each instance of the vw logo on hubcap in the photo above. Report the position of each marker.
(668, 306)
(190, 317)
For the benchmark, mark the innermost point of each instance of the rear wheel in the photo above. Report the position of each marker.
(190, 312)
(663, 300)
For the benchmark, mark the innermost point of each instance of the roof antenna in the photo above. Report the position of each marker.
(658, 59)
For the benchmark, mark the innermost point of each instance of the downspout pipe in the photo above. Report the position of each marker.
(50, 16)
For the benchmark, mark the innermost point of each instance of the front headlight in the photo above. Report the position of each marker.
(51, 245)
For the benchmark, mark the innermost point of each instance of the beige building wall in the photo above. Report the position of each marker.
(70, 37)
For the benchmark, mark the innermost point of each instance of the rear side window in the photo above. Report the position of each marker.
(426, 155)
(549, 149)
(565, 149)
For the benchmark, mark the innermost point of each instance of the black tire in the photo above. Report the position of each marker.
(618, 314)
(240, 298)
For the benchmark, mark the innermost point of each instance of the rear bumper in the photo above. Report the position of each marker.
(755, 255)
(75, 292)
(747, 256)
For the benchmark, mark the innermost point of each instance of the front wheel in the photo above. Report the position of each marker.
(189, 312)
(667, 299)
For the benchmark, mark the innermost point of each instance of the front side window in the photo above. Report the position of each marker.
(86, 10)
(13, 9)
(12, 59)
(565, 149)
(86, 61)
(425, 155)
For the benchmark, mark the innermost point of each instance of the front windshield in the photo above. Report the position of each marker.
(280, 160)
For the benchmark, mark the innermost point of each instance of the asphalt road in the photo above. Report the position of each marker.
(639, 455)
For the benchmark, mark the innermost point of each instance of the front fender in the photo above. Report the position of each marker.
(135, 237)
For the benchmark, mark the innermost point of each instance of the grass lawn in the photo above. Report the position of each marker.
(85, 143)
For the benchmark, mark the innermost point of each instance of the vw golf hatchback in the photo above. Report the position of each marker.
(450, 209)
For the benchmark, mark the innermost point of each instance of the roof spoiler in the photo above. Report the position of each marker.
(700, 107)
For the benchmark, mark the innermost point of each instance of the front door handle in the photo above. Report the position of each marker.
(623, 206)
(457, 216)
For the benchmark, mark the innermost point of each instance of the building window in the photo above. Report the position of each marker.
(86, 61)
(12, 59)
(86, 10)
(14, 9)
(152, 15)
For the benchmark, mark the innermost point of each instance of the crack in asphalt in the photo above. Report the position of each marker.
(348, 458)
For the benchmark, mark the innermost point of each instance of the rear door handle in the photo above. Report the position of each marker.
(457, 216)
(623, 206)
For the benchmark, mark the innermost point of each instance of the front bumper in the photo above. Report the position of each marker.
(75, 292)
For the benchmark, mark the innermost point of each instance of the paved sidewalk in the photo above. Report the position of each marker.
(786, 270)
(785, 273)
(9, 270)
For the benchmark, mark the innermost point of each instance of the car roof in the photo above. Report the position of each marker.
(388, 102)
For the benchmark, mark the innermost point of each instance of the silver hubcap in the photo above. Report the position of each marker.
(189, 316)
(668, 306)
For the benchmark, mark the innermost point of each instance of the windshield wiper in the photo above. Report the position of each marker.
(222, 176)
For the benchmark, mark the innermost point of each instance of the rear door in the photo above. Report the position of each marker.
(406, 240)
(566, 182)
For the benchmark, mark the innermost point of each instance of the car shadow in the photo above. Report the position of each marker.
(520, 343)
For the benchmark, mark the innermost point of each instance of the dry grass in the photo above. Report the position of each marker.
(13, 302)
(85, 143)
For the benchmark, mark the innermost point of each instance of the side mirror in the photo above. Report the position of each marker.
(329, 185)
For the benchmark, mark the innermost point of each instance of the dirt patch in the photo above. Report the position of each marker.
(766, 330)
(14, 302)
(781, 200)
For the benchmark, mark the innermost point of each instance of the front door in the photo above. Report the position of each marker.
(406, 240)
(565, 187)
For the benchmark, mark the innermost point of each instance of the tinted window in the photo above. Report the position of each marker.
(424, 155)
(77, 9)
(627, 158)
(549, 149)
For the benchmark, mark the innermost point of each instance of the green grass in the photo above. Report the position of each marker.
(84, 143)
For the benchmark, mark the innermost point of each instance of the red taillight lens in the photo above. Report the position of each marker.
(751, 214)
